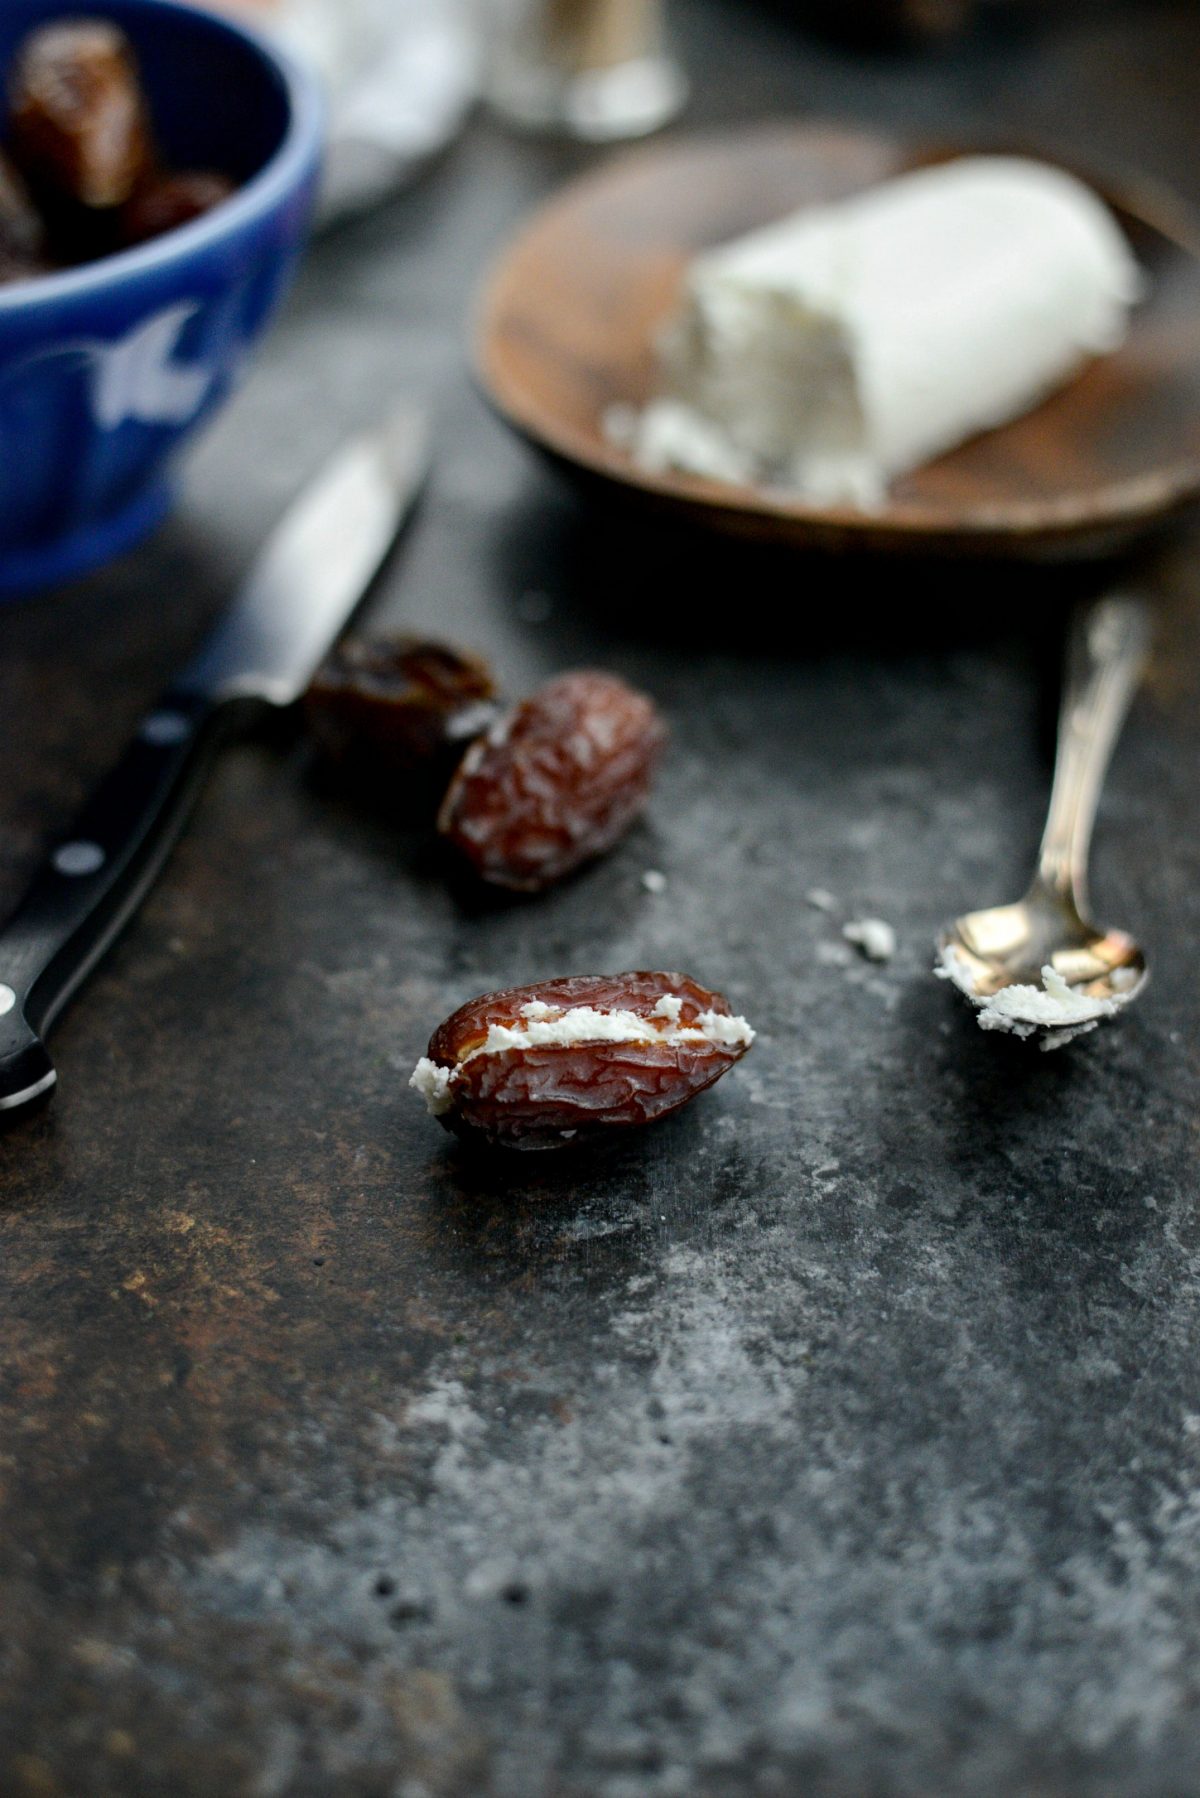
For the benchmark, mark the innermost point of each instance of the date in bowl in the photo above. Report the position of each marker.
(108, 370)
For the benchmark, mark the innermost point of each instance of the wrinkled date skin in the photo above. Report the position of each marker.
(555, 1096)
(391, 709)
(78, 124)
(556, 783)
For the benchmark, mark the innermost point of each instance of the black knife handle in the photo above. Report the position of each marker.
(96, 877)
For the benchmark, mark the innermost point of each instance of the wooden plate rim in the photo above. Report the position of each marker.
(1135, 502)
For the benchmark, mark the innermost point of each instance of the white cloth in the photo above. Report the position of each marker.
(402, 76)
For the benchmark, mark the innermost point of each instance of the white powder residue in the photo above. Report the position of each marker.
(873, 936)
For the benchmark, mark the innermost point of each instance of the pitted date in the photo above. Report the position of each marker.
(165, 202)
(556, 782)
(78, 125)
(394, 708)
(567, 1061)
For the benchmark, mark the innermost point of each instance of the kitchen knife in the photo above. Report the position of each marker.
(301, 591)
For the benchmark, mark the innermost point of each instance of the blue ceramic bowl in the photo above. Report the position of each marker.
(108, 371)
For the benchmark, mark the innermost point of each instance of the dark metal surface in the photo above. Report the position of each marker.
(843, 1435)
(313, 572)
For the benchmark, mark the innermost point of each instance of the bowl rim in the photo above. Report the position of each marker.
(299, 148)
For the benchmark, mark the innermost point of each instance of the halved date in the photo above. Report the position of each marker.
(78, 125)
(566, 1061)
(385, 710)
(556, 782)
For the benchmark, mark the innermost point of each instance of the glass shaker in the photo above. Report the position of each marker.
(595, 69)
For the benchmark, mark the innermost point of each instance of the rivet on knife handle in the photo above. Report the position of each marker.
(95, 878)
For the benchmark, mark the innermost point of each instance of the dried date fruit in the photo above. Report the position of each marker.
(78, 124)
(165, 202)
(81, 144)
(555, 782)
(387, 708)
(22, 234)
(565, 1061)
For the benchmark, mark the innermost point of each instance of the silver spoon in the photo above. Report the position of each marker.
(1041, 967)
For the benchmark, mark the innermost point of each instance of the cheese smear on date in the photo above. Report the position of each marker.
(433, 1084)
(543, 1026)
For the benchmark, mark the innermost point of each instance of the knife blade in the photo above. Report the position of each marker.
(301, 591)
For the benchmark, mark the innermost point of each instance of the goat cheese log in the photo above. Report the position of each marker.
(851, 343)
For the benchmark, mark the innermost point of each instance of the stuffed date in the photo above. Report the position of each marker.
(566, 1061)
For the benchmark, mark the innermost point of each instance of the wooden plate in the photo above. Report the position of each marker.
(569, 316)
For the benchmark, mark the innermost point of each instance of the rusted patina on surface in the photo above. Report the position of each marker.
(837, 1436)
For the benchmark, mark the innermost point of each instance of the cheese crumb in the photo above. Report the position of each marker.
(1025, 1010)
(876, 939)
(433, 1084)
(653, 881)
(820, 899)
(542, 1027)
(715, 1027)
